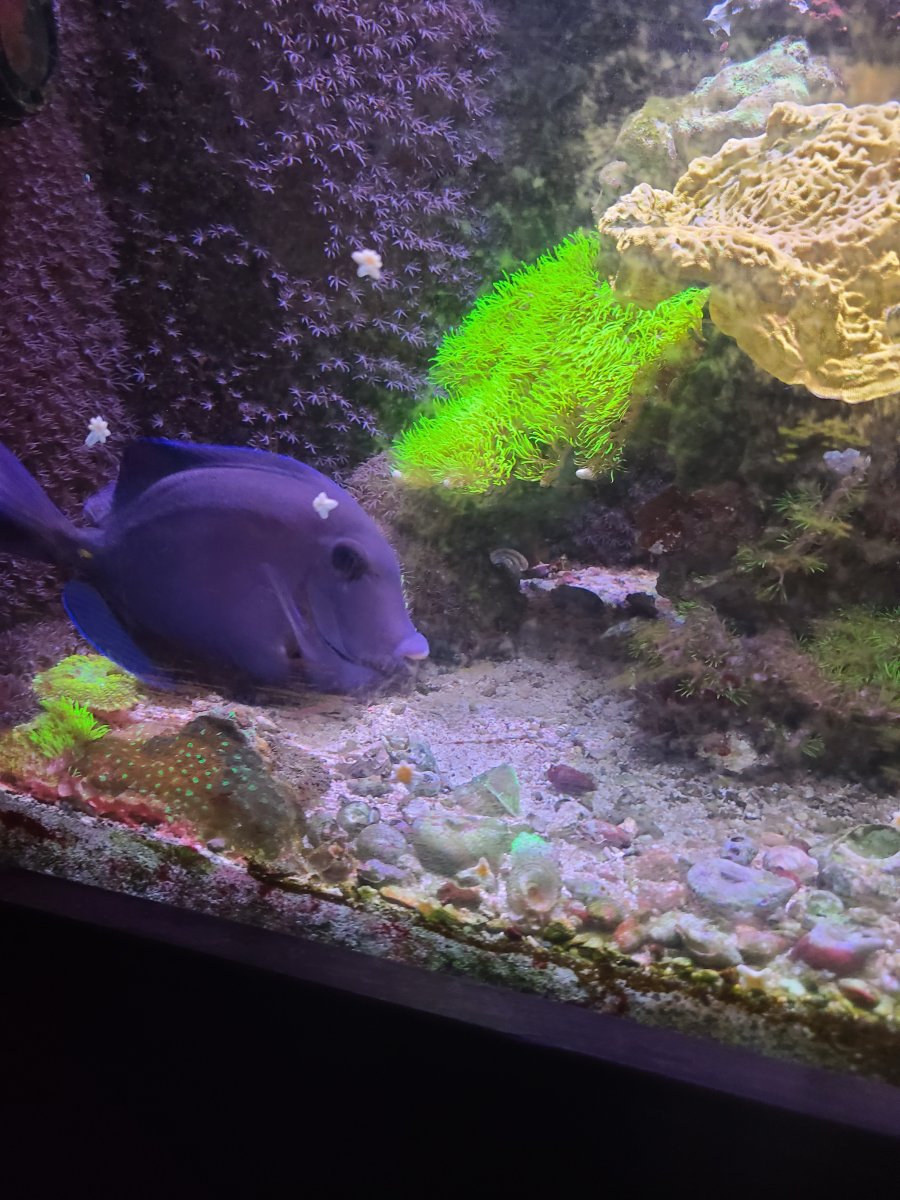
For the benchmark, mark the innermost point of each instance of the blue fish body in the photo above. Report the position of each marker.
(223, 562)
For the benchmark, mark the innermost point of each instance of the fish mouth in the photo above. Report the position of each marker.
(384, 668)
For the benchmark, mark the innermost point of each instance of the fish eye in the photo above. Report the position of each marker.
(348, 561)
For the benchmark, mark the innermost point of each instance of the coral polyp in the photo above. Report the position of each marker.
(88, 679)
(63, 726)
(545, 361)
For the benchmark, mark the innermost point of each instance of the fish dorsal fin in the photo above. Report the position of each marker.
(148, 460)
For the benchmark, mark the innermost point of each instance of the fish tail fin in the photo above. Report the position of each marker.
(31, 526)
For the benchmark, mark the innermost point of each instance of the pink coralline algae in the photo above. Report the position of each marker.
(254, 148)
(63, 358)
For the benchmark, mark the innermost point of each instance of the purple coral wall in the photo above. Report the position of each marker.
(61, 344)
(252, 146)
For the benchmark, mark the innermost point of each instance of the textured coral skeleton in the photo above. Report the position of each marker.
(797, 233)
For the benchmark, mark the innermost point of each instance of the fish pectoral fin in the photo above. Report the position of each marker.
(98, 624)
(296, 623)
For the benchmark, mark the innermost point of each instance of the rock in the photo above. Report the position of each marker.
(657, 897)
(706, 944)
(495, 793)
(742, 890)
(426, 783)
(206, 775)
(880, 842)
(480, 875)
(570, 781)
(837, 948)
(759, 946)
(863, 863)
(664, 928)
(809, 906)
(378, 873)
(448, 844)
(657, 864)
(739, 848)
(559, 931)
(332, 861)
(792, 862)
(859, 992)
(369, 787)
(382, 842)
(322, 827)
(533, 884)
(606, 834)
(461, 897)
(604, 914)
(354, 816)
(409, 750)
(630, 935)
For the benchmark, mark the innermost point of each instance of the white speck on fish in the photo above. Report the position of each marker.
(323, 505)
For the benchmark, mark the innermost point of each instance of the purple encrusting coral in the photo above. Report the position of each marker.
(253, 147)
(61, 343)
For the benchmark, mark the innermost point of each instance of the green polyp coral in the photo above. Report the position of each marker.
(91, 680)
(548, 360)
(64, 725)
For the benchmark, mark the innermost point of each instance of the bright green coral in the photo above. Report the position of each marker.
(88, 679)
(64, 725)
(547, 360)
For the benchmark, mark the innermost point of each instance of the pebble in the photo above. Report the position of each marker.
(739, 849)
(332, 861)
(494, 793)
(792, 862)
(382, 842)
(604, 914)
(480, 875)
(809, 906)
(836, 948)
(658, 864)
(378, 873)
(322, 827)
(448, 844)
(630, 935)
(654, 897)
(461, 897)
(706, 944)
(533, 884)
(759, 946)
(606, 834)
(664, 929)
(354, 816)
(569, 780)
(859, 992)
(738, 889)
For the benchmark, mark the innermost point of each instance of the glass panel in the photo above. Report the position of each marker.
(449, 484)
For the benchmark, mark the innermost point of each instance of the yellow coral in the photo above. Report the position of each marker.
(797, 233)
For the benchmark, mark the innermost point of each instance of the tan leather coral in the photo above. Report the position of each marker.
(797, 234)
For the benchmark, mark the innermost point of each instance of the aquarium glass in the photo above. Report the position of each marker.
(449, 489)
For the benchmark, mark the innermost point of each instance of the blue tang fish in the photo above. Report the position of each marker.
(217, 562)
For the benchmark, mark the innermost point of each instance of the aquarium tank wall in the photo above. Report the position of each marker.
(449, 489)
